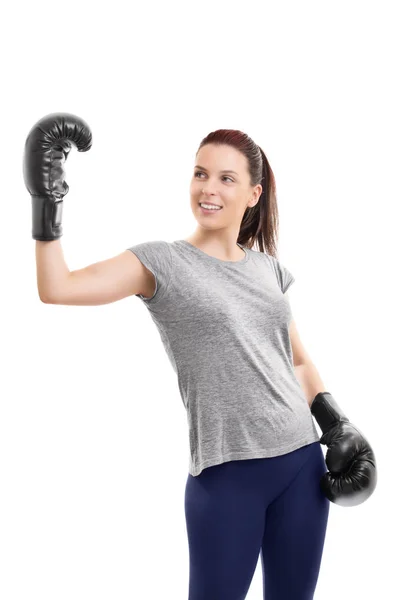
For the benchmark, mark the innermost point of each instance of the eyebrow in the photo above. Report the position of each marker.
(224, 171)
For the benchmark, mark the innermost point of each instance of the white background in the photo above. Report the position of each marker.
(93, 435)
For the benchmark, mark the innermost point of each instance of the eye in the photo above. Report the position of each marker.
(201, 173)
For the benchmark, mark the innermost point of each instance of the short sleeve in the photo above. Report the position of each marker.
(283, 275)
(155, 256)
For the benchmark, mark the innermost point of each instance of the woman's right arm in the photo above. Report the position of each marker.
(100, 283)
(46, 150)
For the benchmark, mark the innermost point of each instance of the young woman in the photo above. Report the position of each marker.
(257, 480)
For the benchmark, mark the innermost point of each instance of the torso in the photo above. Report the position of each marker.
(150, 284)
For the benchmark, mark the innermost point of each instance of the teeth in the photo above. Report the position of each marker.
(210, 206)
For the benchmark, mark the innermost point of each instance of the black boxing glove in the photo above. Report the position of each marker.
(352, 474)
(46, 150)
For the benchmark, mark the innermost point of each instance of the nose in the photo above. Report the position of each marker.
(206, 193)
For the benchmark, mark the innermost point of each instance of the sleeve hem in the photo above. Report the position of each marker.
(288, 285)
(158, 294)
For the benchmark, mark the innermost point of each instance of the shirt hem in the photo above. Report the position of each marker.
(242, 455)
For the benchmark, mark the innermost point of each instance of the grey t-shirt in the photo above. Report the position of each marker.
(224, 326)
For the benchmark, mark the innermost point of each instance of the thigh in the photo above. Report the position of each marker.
(225, 522)
(294, 534)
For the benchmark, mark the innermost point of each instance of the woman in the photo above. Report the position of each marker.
(246, 381)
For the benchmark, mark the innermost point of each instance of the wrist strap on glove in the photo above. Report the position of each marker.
(326, 411)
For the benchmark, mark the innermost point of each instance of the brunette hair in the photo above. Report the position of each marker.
(260, 222)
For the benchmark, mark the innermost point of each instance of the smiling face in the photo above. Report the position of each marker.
(221, 177)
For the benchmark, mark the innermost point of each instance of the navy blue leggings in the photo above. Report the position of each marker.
(240, 508)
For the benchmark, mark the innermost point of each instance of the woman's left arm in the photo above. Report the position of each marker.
(305, 370)
(352, 474)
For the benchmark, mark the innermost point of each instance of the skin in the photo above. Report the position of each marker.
(216, 234)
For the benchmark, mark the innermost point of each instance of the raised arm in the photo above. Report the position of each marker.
(47, 148)
(100, 283)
